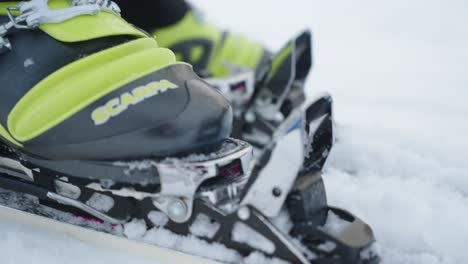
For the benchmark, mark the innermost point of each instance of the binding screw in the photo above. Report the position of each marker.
(177, 210)
(243, 213)
(276, 192)
(250, 117)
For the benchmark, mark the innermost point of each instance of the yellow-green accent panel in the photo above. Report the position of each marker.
(7, 136)
(196, 54)
(5, 5)
(276, 63)
(77, 85)
(85, 27)
(235, 50)
(186, 29)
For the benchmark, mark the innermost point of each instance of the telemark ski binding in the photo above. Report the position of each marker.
(280, 179)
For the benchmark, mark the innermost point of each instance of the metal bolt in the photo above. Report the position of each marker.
(277, 192)
(243, 213)
(177, 210)
(250, 117)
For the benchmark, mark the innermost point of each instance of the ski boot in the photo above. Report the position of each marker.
(231, 62)
(241, 69)
(105, 122)
(214, 53)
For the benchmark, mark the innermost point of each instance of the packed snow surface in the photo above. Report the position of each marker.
(397, 72)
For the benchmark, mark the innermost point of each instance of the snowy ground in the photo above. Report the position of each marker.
(397, 71)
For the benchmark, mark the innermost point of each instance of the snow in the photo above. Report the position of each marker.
(244, 234)
(158, 218)
(135, 229)
(28, 62)
(100, 202)
(397, 72)
(191, 245)
(203, 227)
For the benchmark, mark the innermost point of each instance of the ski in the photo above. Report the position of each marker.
(100, 239)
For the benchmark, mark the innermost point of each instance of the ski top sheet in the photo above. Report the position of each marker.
(133, 248)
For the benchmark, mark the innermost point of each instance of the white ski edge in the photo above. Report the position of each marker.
(150, 252)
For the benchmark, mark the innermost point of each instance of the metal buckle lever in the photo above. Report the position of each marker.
(5, 44)
(37, 12)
